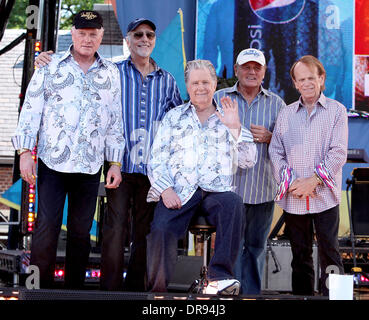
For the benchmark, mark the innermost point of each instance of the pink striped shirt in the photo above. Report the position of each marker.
(301, 142)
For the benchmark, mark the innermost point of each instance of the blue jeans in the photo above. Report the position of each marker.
(250, 262)
(224, 210)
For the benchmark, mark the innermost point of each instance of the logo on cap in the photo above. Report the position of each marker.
(277, 11)
(251, 52)
(88, 15)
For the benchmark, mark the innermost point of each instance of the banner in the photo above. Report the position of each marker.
(362, 55)
(284, 30)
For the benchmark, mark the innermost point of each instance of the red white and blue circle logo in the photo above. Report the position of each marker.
(277, 11)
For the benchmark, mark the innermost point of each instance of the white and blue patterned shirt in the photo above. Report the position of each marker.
(75, 118)
(187, 154)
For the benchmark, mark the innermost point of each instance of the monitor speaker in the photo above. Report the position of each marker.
(360, 202)
(187, 270)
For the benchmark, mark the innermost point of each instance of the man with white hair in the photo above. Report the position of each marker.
(192, 161)
(73, 111)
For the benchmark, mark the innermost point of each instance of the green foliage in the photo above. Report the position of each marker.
(18, 16)
(70, 7)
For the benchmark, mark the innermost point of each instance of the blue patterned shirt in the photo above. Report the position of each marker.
(187, 154)
(256, 185)
(76, 117)
(144, 103)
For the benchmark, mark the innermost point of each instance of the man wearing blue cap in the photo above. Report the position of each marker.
(148, 92)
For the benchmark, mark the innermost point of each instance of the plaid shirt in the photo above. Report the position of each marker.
(303, 142)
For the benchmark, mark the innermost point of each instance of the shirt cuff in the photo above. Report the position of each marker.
(163, 183)
(288, 177)
(322, 172)
(23, 142)
(114, 155)
(245, 136)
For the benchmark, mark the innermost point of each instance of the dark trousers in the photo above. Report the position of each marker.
(224, 210)
(53, 187)
(300, 231)
(131, 194)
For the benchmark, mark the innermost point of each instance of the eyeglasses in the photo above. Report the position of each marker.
(139, 34)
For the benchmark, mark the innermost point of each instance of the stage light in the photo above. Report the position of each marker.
(37, 49)
(364, 279)
(203, 298)
(32, 197)
(59, 273)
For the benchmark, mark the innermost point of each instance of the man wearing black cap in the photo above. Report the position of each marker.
(73, 111)
(148, 92)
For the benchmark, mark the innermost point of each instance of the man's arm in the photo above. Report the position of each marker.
(115, 141)
(25, 136)
(157, 168)
(336, 156)
(277, 154)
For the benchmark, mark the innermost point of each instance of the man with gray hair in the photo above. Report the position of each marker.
(258, 109)
(191, 167)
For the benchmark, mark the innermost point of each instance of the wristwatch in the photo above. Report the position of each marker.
(21, 151)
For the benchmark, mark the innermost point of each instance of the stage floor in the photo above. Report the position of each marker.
(21, 293)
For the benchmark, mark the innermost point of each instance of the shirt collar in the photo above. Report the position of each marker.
(322, 101)
(156, 66)
(99, 59)
(188, 105)
(234, 89)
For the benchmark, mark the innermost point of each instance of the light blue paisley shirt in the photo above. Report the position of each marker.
(75, 118)
(186, 154)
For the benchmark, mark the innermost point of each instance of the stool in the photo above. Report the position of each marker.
(200, 226)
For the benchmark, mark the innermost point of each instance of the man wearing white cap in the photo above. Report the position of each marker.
(258, 110)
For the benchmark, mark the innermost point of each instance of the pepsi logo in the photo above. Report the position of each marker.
(277, 11)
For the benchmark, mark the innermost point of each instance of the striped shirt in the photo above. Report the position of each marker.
(255, 185)
(302, 142)
(144, 103)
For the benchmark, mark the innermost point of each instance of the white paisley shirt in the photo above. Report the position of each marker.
(75, 118)
(186, 154)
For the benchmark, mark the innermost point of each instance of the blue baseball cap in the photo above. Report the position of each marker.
(135, 23)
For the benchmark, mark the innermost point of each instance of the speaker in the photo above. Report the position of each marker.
(360, 202)
(277, 274)
(187, 270)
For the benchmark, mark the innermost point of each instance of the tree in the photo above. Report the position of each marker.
(69, 8)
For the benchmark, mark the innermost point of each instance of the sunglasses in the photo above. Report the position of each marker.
(149, 34)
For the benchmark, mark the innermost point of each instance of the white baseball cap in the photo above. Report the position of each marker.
(251, 54)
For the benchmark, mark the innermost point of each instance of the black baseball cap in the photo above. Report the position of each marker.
(88, 19)
(135, 23)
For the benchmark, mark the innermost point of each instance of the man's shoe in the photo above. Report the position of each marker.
(228, 287)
